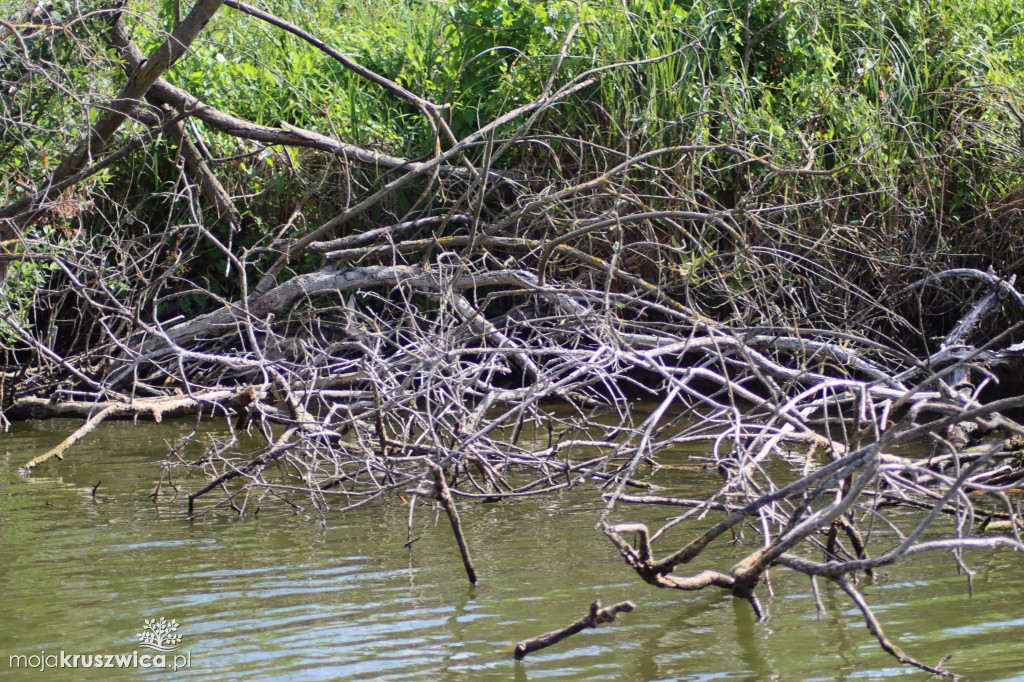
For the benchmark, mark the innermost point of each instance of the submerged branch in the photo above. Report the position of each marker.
(598, 615)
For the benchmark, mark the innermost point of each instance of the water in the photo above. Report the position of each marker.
(279, 597)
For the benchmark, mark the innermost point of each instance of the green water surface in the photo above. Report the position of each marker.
(279, 597)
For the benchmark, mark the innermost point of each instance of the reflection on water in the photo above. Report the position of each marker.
(281, 598)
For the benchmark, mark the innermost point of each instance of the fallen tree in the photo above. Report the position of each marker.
(411, 355)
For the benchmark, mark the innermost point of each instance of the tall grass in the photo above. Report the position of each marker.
(908, 109)
(904, 102)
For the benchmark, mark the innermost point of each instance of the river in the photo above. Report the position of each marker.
(281, 597)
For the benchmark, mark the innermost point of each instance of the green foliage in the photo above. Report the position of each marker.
(48, 80)
(496, 54)
(26, 278)
(857, 79)
(904, 102)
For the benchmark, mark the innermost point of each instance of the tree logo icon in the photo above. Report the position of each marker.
(159, 634)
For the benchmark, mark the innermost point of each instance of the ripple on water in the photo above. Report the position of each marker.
(283, 599)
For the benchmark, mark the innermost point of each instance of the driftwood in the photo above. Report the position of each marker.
(153, 408)
(439, 491)
(598, 615)
(960, 378)
(80, 433)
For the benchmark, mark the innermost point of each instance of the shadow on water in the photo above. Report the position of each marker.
(280, 597)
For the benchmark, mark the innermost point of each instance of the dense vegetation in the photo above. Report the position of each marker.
(849, 147)
(388, 235)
